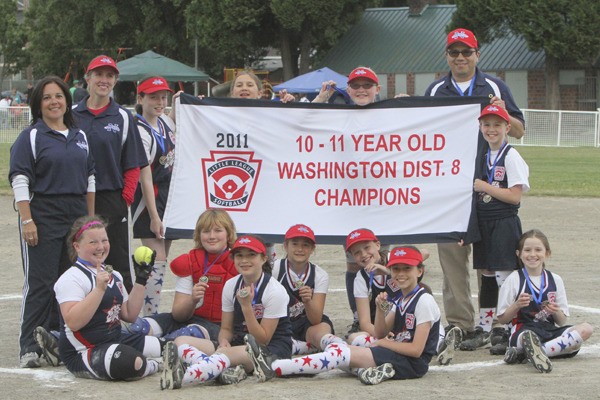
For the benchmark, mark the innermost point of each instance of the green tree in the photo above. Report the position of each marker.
(12, 40)
(563, 29)
(64, 35)
(240, 31)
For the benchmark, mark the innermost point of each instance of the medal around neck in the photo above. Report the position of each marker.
(109, 269)
(244, 292)
(385, 306)
(204, 279)
(487, 198)
(299, 283)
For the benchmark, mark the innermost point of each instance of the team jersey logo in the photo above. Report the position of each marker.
(82, 145)
(499, 173)
(112, 128)
(410, 321)
(259, 310)
(230, 178)
(552, 297)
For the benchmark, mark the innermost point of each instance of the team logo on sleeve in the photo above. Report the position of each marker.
(230, 179)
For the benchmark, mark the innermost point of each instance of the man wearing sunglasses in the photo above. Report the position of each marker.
(466, 79)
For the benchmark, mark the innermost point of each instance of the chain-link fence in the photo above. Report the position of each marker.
(543, 128)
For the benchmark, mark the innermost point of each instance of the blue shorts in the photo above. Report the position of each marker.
(405, 367)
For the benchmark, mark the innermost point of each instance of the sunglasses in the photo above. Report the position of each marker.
(466, 53)
(357, 86)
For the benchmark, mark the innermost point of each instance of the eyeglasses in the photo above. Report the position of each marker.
(366, 86)
(466, 53)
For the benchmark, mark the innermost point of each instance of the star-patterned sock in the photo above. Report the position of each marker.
(300, 347)
(486, 317)
(568, 342)
(328, 339)
(204, 367)
(336, 355)
(153, 288)
(363, 340)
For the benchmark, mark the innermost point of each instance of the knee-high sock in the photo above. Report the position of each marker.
(363, 340)
(328, 339)
(300, 347)
(568, 342)
(202, 367)
(488, 299)
(336, 355)
(153, 288)
(350, 291)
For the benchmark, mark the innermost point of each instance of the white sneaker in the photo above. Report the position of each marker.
(30, 360)
(376, 375)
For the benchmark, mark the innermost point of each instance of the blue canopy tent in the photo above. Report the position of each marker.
(311, 81)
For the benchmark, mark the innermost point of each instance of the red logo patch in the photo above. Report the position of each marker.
(499, 173)
(230, 179)
(410, 321)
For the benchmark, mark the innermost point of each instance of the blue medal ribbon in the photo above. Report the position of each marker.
(207, 267)
(538, 298)
(471, 85)
(84, 262)
(159, 136)
(256, 286)
(398, 299)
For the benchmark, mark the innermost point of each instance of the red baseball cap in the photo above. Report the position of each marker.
(251, 243)
(152, 85)
(462, 35)
(300, 231)
(102, 61)
(495, 110)
(363, 72)
(360, 235)
(405, 255)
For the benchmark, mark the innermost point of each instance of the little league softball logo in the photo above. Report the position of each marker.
(230, 179)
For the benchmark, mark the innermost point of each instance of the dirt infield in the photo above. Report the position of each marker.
(572, 226)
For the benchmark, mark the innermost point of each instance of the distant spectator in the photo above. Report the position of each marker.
(4, 115)
(16, 97)
(29, 91)
(79, 93)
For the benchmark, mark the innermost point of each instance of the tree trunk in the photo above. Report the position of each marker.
(286, 55)
(305, 46)
(552, 87)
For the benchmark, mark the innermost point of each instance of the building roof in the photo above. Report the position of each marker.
(391, 41)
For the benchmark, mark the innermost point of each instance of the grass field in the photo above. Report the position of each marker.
(553, 171)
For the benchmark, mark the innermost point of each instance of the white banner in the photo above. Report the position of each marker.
(405, 172)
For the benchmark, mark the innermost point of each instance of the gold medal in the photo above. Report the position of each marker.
(204, 279)
(243, 293)
(385, 306)
(299, 283)
(370, 296)
(162, 160)
(109, 269)
(487, 198)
